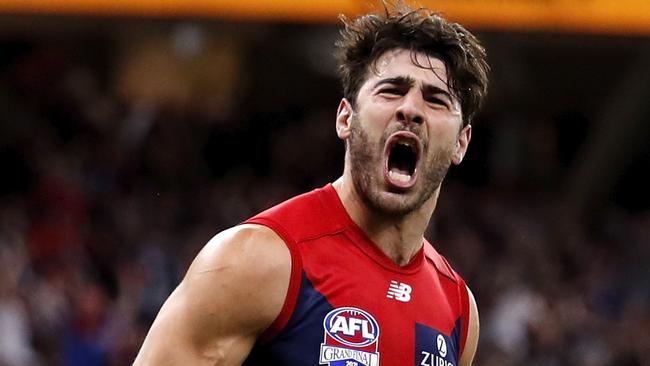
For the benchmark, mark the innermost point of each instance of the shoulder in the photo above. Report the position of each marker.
(468, 309)
(441, 264)
(248, 263)
(242, 272)
(304, 216)
(243, 276)
(247, 249)
(472, 332)
(232, 292)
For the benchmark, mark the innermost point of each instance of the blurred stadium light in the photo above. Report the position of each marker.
(592, 16)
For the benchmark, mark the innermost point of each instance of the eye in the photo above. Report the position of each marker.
(438, 101)
(391, 91)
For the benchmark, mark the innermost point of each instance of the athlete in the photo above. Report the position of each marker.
(342, 275)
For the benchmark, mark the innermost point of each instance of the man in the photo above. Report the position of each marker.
(342, 275)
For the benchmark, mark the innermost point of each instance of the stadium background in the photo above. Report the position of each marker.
(131, 132)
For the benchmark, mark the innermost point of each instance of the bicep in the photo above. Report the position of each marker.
(472, 332)
(184, 333)
(220, 308)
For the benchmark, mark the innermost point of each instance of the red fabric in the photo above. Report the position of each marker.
(349, 270)
(294, 280)
(464, 299)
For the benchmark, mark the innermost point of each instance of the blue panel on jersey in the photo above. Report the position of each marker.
(299, 342)
(433, 348)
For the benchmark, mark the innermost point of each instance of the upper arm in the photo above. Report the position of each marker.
(473, 329)
(232, 292)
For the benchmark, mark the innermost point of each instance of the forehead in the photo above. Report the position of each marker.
(421, 67)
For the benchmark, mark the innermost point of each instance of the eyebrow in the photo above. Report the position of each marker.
(407, 81)
(398, 80)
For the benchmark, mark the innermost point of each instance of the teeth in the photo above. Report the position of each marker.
(407, 144)
(402, 178)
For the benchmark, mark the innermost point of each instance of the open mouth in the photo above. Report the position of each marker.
(402, 155)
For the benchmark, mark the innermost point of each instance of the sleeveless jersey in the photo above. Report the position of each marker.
(349, 305)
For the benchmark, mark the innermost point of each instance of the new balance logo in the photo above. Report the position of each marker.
(399, 291)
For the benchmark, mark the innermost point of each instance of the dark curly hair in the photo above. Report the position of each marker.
(365, 39)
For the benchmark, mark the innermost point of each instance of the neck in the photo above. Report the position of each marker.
(398, 237)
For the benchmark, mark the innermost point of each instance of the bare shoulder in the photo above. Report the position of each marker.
(233, 290)
(473, 331)
(246, 262)
(244, 250)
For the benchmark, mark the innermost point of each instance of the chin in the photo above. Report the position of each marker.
(394, 203)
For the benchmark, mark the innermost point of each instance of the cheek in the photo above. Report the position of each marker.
(373, 126)
(444, 129)
(379, 112)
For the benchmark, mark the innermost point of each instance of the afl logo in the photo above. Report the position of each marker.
(351, 327)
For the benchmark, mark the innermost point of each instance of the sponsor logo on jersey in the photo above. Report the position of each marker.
(434, 348)
(442, 345)
(351, 338)
(399, 291)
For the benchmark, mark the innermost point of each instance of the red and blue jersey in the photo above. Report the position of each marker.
(348, 304)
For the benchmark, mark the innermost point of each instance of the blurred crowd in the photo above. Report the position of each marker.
(108, 191)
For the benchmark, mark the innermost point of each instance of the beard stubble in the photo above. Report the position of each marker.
(366, 163)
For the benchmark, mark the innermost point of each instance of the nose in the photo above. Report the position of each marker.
(410, 110)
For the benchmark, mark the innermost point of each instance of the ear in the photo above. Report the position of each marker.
(343, 119)
(462, 144)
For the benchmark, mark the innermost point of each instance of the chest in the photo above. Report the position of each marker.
(351, 311)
